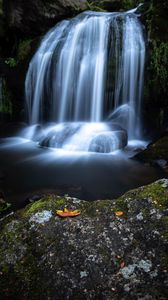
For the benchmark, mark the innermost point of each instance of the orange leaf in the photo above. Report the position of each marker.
(119, 213)
(68, 213)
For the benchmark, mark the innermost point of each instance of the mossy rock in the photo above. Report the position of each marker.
(96, 255)
(4, 206)
(157, 150)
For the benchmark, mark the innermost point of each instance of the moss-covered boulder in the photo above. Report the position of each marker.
(156, 153)
(97, 255)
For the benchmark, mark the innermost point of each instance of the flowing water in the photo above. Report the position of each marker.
(87, 71)
(84, 92)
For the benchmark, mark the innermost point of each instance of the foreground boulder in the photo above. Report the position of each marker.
(100, 254)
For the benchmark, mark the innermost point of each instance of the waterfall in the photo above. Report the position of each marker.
(89, 70)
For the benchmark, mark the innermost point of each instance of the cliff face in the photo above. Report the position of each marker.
(35, 17)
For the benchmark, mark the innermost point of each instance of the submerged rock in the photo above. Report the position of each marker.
(97, 255)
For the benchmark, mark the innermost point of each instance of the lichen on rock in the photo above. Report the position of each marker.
(91, 256)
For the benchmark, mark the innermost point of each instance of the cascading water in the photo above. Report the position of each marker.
(87, 77)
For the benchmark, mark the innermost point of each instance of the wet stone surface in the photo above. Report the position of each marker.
(97, 255)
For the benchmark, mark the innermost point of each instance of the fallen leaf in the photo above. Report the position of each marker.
(68, 213)
(119, 213)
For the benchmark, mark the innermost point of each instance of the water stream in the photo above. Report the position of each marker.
(84, 93)
(87, 79)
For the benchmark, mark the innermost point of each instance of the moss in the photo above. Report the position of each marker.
(93, 7)
(164, 221)
(157, 193)
(121, 204)
(128, 4)
(164, 259)
(50, 202)
(24, 49)
(97, 207)
(17, 262)
(158, 65)
(6, 99)
(157, 150)
(4, 205)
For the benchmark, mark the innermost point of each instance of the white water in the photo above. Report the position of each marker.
(85, 70)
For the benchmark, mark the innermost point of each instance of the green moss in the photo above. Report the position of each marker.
(96, 207)
(128, 4)
(157, 150)
(157, 193)
(164, 221)
(158, 64)
(50, 202)
(6, 99)
(121, 204)
(93, 7)
(24, 49)
(4, 206)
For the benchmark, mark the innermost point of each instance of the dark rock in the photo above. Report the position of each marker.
(96, 255)
(34, 198)
(3, 204)
(156, 153)
(36, 17)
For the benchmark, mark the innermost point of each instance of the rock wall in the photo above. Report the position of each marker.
(35, 17)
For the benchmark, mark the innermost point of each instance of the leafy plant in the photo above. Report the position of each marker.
(11, 61)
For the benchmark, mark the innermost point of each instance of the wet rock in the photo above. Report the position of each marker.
(107, 142)
(96, 255)
(33, 198)
(36, 17)
(156, 153)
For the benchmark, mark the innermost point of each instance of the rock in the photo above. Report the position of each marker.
(156, 153)
(3, 204)
(96, 255)
(107, 142)
(36, 17)
(34, 198)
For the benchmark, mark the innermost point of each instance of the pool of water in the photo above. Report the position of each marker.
(28, 169)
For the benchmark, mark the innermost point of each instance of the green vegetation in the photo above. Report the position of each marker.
(24, 49)
(5, 101)
(159, 63)
(92, 6)
(51, 202)
(11, 61)
(128, 4)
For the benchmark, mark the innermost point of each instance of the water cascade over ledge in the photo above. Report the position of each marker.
(84, 85)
